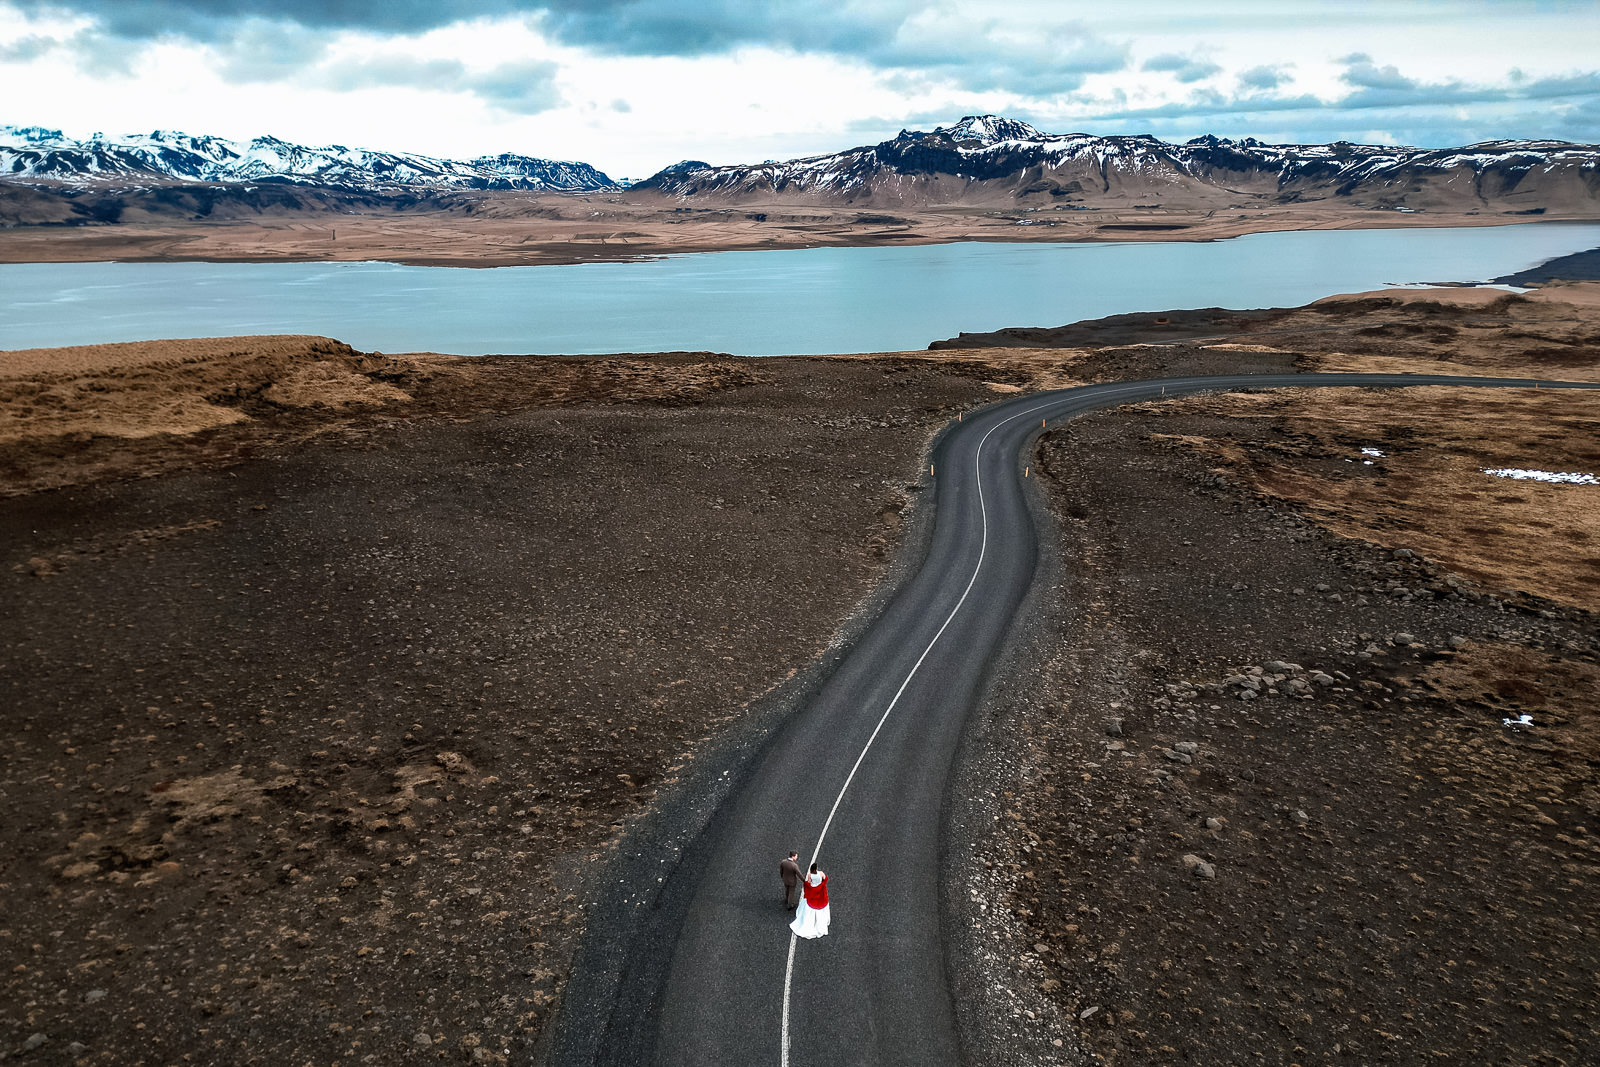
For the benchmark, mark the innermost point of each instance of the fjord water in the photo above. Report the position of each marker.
(801, 301)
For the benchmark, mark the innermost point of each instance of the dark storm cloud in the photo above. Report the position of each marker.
(675, 28)
(210, 20)
(894, 35)
(632, 27)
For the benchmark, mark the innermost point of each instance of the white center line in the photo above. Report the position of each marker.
(788, 970)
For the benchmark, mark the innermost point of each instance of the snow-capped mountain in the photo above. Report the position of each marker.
(34, 153)
(987, 157)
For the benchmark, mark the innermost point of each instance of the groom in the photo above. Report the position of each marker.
(789, 871)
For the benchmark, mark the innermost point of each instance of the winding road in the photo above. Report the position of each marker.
(689, 961)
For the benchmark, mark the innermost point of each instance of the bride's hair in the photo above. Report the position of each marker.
(813, 868)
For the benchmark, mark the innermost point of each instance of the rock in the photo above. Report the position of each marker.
(422, 1040)
(1177, 757)
(77, 1048)
(1278, 666)
(94, 995)
(1213, 823)
(1457, 641)
(1189, 747)
(1322, 679)
(1087, 1012)
(1114, 727)
(34, 1042)
(1199, 867)
(1403, 639)
(1299, 816)
(1403, 553)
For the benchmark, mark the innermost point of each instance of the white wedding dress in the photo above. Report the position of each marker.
(808, 921)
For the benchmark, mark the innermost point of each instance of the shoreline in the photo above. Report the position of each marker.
(361, 303)
(474, 243)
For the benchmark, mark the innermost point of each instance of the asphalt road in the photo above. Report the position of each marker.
(688, 960)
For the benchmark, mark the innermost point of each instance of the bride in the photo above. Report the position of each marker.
(812, 920)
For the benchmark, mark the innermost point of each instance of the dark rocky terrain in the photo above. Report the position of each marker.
(311, 745)
(1578, 267)
(329, 677)
(1272, 797)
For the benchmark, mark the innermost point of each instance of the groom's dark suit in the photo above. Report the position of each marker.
(789, 871)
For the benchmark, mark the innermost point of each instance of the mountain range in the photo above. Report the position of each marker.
(989, 159)
(32, 152)
(983, 161)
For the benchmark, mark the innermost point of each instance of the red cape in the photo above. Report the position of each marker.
(817, 895)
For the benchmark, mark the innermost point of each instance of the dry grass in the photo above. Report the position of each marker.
(181, 387)
(1552, 332)
(1004, 369)
(1428, 491)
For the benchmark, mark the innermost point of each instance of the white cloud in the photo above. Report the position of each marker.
(736, 82)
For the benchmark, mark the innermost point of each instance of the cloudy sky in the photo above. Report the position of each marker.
(633, 85)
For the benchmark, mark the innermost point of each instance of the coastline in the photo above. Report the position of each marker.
(636, 232)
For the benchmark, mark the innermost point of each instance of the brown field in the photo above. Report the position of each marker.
(491, 230)
(1428, 490)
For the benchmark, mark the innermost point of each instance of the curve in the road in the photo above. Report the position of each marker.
(693, 969)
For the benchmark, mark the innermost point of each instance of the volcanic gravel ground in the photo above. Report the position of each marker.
(308, 758)
(1271, 798)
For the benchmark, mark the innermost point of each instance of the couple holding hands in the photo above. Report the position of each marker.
(811, 918)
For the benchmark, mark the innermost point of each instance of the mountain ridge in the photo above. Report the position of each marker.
(40, 154)
(1006, 158)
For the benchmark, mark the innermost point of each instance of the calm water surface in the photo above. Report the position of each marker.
(749, 303)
